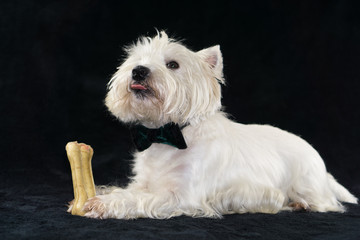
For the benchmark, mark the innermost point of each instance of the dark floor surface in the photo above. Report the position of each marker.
(32, 206)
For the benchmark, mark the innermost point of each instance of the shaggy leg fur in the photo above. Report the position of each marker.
(132, 203)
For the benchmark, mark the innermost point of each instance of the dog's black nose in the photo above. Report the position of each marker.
(140, 73)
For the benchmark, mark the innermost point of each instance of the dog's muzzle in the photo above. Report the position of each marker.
(139, 75)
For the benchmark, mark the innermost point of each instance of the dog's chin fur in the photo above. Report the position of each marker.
(227, 167)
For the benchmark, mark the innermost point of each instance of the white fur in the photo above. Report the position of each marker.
(227, 167)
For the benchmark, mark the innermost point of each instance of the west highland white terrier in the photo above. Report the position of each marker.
(191, 159)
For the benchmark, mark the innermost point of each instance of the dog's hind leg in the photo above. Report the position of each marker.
(249, 198)
(318, 194)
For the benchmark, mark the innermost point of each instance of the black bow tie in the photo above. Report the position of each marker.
(169, 134)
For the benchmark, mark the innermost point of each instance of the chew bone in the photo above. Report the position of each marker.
(79, 155)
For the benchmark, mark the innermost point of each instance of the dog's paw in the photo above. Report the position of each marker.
(95, 208)
(296, 206)
(70, 205)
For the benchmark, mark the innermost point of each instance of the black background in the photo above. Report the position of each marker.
(290, 64)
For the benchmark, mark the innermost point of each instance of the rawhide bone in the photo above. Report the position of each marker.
(80, 155)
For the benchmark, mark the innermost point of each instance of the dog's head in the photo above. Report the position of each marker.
(162, 81)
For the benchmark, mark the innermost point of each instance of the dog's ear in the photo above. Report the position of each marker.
(213, 57)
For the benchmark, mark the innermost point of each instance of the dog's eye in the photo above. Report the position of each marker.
(172, 65)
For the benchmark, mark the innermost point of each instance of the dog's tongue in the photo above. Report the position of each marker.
(137, 87)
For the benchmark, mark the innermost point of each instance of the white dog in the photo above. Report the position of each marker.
(195, 161)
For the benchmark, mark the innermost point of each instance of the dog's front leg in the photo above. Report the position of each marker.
(132, 203)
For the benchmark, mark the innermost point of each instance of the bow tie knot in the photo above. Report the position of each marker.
(169, 134)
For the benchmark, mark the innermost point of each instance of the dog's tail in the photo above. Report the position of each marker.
(341, 193)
